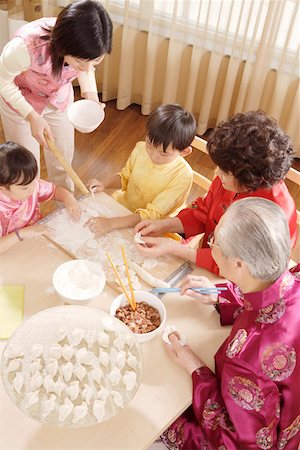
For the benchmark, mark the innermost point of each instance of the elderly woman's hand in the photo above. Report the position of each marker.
(192, 281)
(183, 355)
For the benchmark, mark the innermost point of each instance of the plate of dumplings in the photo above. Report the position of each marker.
(72, 366)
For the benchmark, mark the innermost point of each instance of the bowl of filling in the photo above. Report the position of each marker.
(78, 281)
(147, 320)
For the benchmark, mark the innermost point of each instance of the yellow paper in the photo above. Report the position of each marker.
(11, 309)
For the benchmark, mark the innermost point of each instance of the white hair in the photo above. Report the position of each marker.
(255, 230)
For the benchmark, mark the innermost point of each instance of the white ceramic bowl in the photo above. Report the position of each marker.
(78, 281)
(86, 115)
(152, 300)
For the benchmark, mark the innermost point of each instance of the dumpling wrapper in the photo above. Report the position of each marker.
(137, 238)
(169, 329)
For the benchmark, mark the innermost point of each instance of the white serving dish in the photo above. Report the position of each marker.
(78, 281)
(152, 300)
(86, 115)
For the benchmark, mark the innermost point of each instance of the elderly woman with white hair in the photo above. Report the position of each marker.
(253, 400)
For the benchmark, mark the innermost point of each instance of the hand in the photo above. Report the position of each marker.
(192, 281)
(33, 231)
(100, 225)
(156, 246)
(73, 208)
(39, 128)
(183, 355)
(95, 185)
(93, 96)
(150, 227)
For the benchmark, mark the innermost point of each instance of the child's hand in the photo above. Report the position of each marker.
(33, 231)
(100, 225)
(73, 208)
(156, 246)
(192, 281)
(149, 227)
(95, 185)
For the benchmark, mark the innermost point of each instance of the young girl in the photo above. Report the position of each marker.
(36, 71)
(20, 195)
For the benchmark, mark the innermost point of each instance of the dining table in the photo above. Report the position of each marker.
(165, 390)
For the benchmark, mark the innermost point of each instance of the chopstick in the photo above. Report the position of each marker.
(207, 290)
(120, 281)
(128, 277)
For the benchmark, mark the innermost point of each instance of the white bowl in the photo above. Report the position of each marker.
(78, 281)
(86, 115)
(149, 298)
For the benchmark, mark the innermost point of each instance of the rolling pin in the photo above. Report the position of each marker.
(68, 168)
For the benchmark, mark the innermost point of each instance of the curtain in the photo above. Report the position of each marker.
(215, 57)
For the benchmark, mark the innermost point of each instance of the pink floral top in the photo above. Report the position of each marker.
(19, 214)
(253, 400)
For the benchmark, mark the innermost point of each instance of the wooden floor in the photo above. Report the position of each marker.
(106, 149)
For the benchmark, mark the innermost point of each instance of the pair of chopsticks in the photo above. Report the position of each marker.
(203, 290)
(130, 299)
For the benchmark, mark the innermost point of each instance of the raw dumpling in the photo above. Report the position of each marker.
(36, 350)
(65, 410)
(103, 394)
(59, 387)
(103, 339)
(48, 405)
(99, 410)
(18, 383)
(31, 398)
(104, 358)
(80, 372)
(76, 336)
(120, 359)
(130, 339)
(48, 384)
(87, 393)
(119, 343)
(35, 366)
(117, 398)
(84, 356)
(36, 381)
(108, 324)
(55, 351)
(73, 390)
(14, 352)
(129, 380)
(14, 364)
(80, 412)
(132, 361)
(138, 239)
(52, 367)
(97, 374)
(61, 334)
(67, 371)
(114, 376)
(67, 352)
(90, 338)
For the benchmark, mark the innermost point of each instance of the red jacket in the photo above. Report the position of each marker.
(206, 212)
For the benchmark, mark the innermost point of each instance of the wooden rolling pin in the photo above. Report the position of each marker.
(68, 168)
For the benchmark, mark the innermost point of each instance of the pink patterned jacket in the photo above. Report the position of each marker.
(253, 400)
(16, 215)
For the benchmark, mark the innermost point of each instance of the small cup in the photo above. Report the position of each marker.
(152, 300)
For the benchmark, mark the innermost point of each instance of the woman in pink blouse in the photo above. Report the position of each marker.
(252, 401)
(21, 192)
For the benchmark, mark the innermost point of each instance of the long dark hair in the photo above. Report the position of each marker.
(17, 165)
(83, 29)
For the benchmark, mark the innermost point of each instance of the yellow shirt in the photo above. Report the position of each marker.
(153, 190)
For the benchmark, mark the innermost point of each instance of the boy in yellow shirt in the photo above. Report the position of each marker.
(156, 179)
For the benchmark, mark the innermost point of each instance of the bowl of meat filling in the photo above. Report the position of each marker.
(147, 320)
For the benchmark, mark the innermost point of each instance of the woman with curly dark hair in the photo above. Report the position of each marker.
(253, 155)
